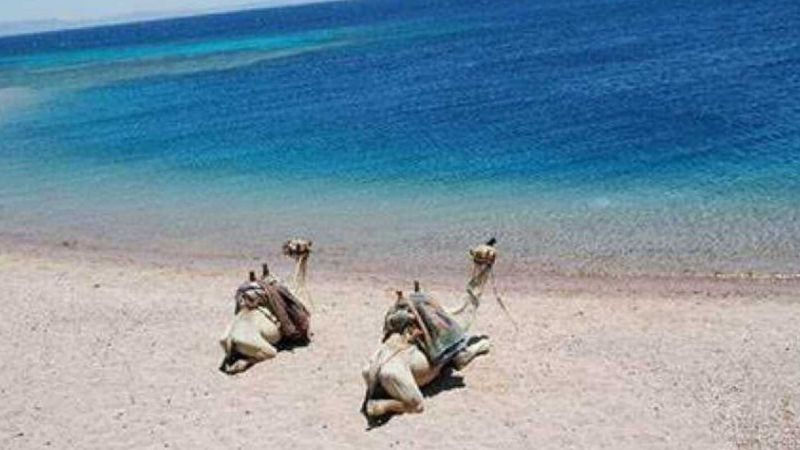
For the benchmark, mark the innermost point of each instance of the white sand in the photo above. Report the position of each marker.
(99, 352)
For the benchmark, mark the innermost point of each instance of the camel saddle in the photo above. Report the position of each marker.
(292, 316)
(441, 338)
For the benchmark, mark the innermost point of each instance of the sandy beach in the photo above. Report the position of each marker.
(637, 162)
(100, 351)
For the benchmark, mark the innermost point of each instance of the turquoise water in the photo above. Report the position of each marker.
(613, 136)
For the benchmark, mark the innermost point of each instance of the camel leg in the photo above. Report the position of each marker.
(258, 350)
(377, 408)
(254, 351)
(399, 383)
(464, 357)
(380, 407)
(239, 365)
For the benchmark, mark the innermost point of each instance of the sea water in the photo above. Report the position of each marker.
(603, 136)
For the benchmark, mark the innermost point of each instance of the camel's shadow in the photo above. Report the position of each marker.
(289, 346)
(447, 380)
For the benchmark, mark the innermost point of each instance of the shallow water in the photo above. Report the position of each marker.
(614, 136)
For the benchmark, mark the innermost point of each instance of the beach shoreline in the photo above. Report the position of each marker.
(110, 352)
(449, 267)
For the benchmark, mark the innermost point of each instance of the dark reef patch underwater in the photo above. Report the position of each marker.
(594, 136)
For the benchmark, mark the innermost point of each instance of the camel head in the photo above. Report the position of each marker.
(484, 254)
(297, 248)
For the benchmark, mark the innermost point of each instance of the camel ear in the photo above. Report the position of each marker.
(310, 242)
(472, 252)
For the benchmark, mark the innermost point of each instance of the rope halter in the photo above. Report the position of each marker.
(483, 254)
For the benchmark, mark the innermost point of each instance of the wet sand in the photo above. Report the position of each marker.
(104, 351)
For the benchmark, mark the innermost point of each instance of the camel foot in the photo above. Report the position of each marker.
(480, 346)
(374, 418)
(237, 366)
(230, 358)
(380, 408)
(373, 409)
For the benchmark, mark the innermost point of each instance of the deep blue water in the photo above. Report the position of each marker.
(603, 136)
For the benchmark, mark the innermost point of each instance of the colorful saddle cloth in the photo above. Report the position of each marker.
(443, 336)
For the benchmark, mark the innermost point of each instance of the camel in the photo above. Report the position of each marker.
(268, 313)
(401, 366)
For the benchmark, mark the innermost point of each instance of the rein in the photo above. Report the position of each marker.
(501, 303)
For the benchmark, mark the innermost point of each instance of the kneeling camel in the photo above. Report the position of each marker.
(268, 313)
(420, 339)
